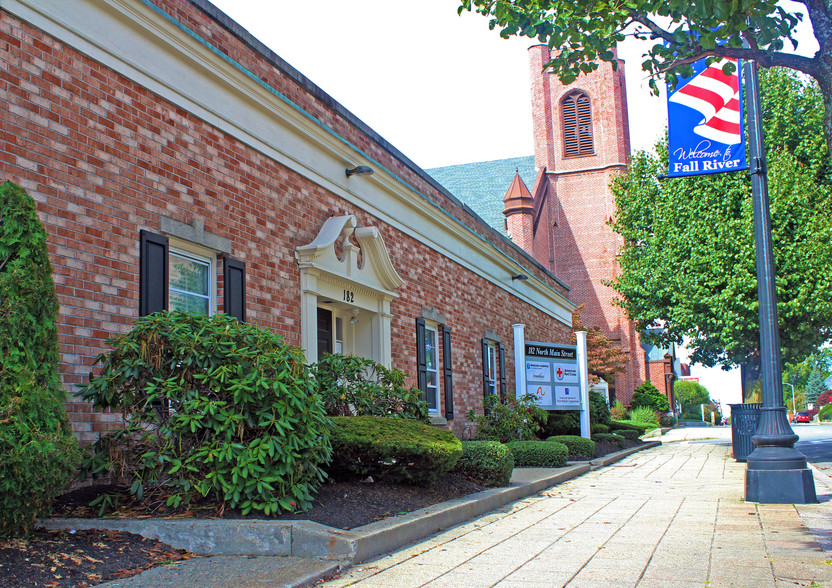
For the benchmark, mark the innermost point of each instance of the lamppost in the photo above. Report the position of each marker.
(776, 472)
(794, 408)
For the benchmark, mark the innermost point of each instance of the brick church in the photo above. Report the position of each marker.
(581, 143)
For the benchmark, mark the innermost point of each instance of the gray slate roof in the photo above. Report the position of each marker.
(482, 184)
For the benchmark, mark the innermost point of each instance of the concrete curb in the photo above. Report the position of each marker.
(309, 539)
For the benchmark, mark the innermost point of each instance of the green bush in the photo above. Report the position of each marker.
(355, 386)
(825, 413)
(38, 451)
(628, 434)
(599, 410)
(561, 422)
(619, 411)
(599, 428)
(488, 462)
(644, 414)
(632, 426)
(609, 438)
(538, 454)
(648, 395)
(668, 421)
(400, 450)
(509, 420)
(577, 446)
(211, 407)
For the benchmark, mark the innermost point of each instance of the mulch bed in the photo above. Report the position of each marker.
(85, 558)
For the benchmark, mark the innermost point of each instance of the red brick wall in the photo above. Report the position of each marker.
(573, 237)
(103, 157)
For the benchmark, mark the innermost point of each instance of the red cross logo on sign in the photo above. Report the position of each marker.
(560, 374)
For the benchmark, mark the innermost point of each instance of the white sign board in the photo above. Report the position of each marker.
(552, 375)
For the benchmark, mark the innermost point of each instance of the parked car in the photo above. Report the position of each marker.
(803, 417)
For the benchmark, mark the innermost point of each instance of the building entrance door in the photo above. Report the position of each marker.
(324, 332)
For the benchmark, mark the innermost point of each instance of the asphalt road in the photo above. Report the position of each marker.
(816, 444)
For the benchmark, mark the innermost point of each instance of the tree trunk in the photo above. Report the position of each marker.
(750, 373)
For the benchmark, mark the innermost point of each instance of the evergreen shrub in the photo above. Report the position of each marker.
(38, 451)
(577, 446)
(825, 413)
(599, 410)
(599, 428)
(561, 422)
(356, 386)
(628, 434)
(538, 454)
(211, 407)
(667, 421)
(400, 450)
(609, 438)
(648, 395)
(488, 462)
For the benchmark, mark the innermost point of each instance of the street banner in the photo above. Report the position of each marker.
(704, 122)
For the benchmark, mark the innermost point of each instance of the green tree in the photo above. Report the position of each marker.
(689, 394)
(38, 451)
(684, 32)
(815, 387)
(689, 260)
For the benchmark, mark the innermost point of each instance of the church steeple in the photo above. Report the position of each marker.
(518, 207)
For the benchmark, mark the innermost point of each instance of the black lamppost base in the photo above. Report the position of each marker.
(780, 486)
(776, 472)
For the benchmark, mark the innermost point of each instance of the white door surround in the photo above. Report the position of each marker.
(360, 283)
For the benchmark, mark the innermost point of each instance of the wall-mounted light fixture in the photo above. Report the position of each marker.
(360, 170)
(520, 277)
(354, 318)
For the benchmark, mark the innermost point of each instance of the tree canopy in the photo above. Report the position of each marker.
(684, 31)
(689, 261)
(689, 394)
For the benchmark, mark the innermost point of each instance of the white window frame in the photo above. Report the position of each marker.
(200, 255)
(491, 362)
(433, 329)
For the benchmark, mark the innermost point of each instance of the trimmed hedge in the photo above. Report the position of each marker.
(401, 450)
(488, 462)
(599, 428)
(609, 438)
(538, 454)
(577, 446)
(642, 428)
(628, 434)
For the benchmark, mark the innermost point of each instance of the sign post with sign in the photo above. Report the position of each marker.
(552, 375)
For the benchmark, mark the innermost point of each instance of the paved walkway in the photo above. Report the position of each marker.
(669, 516)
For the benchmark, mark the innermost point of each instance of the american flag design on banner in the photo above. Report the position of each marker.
(705, 131)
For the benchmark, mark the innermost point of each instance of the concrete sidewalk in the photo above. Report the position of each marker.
(670, 516)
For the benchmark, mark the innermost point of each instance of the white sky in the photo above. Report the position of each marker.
(441, 88)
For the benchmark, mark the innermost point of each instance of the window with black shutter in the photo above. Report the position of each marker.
(153, 273)
(502, 353)
(421, 364)
(576, 120)
(234, 288)
(447, 373)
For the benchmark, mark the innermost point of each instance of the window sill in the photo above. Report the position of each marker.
(437, 420)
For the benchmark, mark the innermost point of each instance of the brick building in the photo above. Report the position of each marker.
(581, 143)
(161, 141)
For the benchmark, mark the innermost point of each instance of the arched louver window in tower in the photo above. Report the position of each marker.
(577, 125)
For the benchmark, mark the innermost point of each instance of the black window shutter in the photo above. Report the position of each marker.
(448, 379)
(153, 273)
(502, 372)
(485, 390)
(234, 288)
(421, 360)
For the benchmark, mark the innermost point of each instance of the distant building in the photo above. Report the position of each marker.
(582, 142)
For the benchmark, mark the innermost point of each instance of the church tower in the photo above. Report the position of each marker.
(582, 142)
